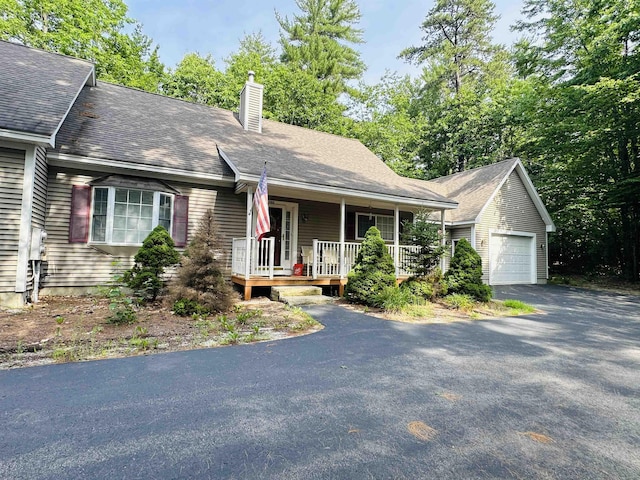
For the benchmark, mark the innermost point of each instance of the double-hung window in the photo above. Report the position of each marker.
(384, 223)
(125, 216)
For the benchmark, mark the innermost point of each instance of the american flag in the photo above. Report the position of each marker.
(261, 202)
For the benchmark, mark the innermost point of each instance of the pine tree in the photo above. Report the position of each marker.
(201, 286)
(373, 271)
(465, 273)
(318, 39)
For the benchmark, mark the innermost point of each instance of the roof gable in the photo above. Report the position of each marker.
(475, 189)
(38, 89)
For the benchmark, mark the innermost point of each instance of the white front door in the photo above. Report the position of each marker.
(284, 230)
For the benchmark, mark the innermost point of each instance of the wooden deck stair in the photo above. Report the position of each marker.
(299, 295)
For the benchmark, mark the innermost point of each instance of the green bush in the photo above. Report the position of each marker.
(465, 273)
(373, 271)
(428, 287)
(395, 299)
(156, 253)
(186, 307)
(200, 278)
(460, 301)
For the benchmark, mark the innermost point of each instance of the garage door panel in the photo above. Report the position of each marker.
(511, 260)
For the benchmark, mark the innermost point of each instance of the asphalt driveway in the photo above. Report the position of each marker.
(555, 395)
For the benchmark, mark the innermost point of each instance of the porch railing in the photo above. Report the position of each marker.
(260, 257)
(325, 261)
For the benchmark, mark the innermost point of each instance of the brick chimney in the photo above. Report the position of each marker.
(251, 105)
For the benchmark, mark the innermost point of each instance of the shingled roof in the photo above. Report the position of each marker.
(123, 124)
(474, 188)
(38, 88)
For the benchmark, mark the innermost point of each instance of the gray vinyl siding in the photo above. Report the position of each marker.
(82, 265)
(512, 210)
(11, 183)
(323, 222)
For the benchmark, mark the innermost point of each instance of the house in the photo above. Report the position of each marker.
(89, 168)
(502, 216)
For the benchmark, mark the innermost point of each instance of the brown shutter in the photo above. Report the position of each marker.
(180, 220)
(80, 213)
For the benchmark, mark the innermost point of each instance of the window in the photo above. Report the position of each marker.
(384, 223)
(126, 216)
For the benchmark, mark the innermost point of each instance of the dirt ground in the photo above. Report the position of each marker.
(59, 329)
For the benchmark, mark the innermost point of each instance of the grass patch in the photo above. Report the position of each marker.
(516, 307)
(459, 301)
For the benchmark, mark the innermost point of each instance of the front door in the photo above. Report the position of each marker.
(284, 230)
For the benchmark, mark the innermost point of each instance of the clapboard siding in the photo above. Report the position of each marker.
(512, 210)
(11, 183)
(81, 265)
(40, 189)
(322, 222)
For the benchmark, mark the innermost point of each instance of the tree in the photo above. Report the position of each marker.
(201, 281)
(156, 253)
(373, 271)
(318, 40)
(464, 79)
(465, 273)
(90, 29)
(195, 79)
(584, 62)
(425, 234)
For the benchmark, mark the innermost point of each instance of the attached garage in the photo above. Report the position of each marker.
(512, 258)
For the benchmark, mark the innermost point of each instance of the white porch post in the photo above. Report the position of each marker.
(316, 258)
(444, 238)
(247, 257)
(343, 215)
(396, 239)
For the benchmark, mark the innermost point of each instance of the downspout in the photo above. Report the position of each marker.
(247, 258)
(343, 215)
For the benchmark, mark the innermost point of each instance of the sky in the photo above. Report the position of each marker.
(216, 26)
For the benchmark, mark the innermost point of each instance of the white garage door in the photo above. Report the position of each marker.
(512, 259)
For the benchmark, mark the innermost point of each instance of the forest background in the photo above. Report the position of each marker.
(565, 97)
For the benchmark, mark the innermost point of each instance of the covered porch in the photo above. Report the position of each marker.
(324, 263)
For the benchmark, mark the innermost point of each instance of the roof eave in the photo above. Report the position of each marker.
(28, 137)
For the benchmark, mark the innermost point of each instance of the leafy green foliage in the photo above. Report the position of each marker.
(373, 271)
(95, 30)
(428, 287)
(465, 273)
(460, 301)
(201, 282)
(395, 299)
(156, 253)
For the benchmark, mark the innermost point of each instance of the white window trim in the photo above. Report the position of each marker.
(375, 217)
(111, 200)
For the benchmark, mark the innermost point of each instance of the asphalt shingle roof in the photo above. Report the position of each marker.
(471, 188)
(118, 123)
(37, 88)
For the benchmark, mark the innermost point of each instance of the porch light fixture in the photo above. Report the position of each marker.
(304, 217)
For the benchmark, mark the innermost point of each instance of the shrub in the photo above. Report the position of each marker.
(428, 287)
(427, 236)
(460, 301)
(186, 307)
(465, 273)
(373, 271)
(156, 253)
(200, 281)
(395, 299)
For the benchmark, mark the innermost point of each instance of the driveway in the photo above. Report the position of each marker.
(554, 395)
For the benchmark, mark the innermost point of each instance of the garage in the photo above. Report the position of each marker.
(512, 259)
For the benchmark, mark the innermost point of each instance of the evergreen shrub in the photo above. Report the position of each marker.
(156, 253)
(465, 273)
(201, 286)
(373, 271)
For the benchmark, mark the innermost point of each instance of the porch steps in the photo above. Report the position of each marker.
(305, 295)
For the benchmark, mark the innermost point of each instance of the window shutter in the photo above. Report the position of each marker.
(80, 213)
(180, 220)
